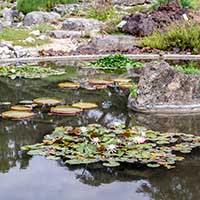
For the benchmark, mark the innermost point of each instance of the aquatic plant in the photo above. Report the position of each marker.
(69, 85)
(116, 62)
(47, 101)
(85, 105)
(114, 145)
(29, 72)
(66, 110)
(17, 115)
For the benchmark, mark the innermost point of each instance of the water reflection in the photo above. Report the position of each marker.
(25, 176)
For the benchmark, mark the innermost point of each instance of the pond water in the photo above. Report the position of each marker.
(24, 177)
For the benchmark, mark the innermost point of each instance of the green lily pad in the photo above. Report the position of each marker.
(46, 101)
(155, 165)
(85, 105)
(66, 110)
(122, 80)
(100, 82)
(22, 108)
(69, 85)
(17, 115)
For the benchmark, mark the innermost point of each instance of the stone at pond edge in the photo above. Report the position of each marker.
(163, 89)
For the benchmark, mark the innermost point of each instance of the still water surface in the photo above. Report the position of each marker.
(23, 177)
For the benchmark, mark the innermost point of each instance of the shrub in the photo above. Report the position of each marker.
(27, 6)
(183, 3)
(183, 36)
(116, 62)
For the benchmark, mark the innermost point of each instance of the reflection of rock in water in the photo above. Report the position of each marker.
(186, 124)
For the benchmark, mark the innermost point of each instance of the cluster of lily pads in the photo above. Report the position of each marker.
(122, 83)
(114, 145)
(25, 108)
(30, 72)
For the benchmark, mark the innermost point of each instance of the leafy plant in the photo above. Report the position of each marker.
(116, 62)
(134, 91)
(27, 6)
(114, 145)
(30, 72)
(183, 3)
(190, 68)
(101, 13)
(183, 36)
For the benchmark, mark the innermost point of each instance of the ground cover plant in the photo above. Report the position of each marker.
(30, 72)
(116, 62)
(184, 37)
(27, 6)
(18, 36)
(183, 3)
(189, 68)
(114, 145)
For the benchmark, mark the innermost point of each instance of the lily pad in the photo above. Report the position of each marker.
(125, 86)
(122, 80)
(46, 101)
(17, 115)
(66, 110)
(22, 108)
(100, 82)
(85, 105)
(69, 85)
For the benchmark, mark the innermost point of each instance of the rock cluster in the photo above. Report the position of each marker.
(144, 24)
(7, 50)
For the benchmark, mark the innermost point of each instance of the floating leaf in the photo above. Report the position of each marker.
(17, 115)
(46, 101)
(69, 85)
(21, 108)
(100, 82)
(153, 165)
(85, 105)
(66, 110)
(122, 80)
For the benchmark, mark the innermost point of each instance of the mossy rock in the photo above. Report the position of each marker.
(17, 115)
(85, 105)
(46, 101)
(66, 110)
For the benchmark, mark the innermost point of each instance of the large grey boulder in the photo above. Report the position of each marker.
(38, 17)
(162, 87)
(114, 42)
(81, 24)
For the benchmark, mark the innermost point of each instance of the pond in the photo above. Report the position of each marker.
(26, 177)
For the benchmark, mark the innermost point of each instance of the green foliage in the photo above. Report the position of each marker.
(16, 36)
(44, 27)
(134, 91)
(114, 145)
(190, 68)
(30, 72)
(101, 14)
(116, 62)
(27, 6)
(183, 3)
(182, 36)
